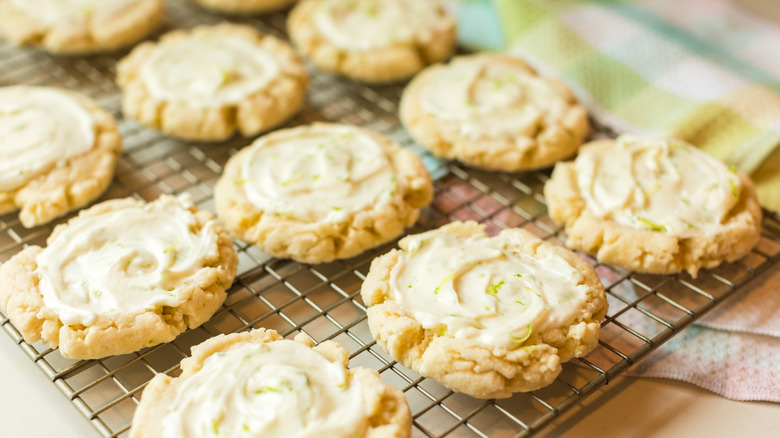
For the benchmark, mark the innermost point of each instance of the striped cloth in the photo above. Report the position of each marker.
(703, 70)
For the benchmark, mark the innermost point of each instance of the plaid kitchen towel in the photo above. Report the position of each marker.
(705, 70)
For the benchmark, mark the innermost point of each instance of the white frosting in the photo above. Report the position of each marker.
(657, 184)
(280, 389)
(481, 289)
(491, 99)
(207, 71)
(369, 24)
(59, 11)
(40, 128)
(317, 173)
(124, 261)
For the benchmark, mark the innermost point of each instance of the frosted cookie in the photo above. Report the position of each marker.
(58, 151)
(211, 81)
(320, 192)
(485, 316)
(493, 112)
(74, 27)
(244, 7)
(376, 41)
(121, 276)
(654, 205)
(257, 384)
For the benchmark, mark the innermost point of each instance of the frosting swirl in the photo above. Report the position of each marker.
(40, 128)
(657, 184)
(278, 389)
(370, 24)
(58, 11)
(208, 70)
(126, 260)
(479, 288)
(489, 98)
(317, 173)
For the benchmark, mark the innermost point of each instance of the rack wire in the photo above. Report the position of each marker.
(323, 300)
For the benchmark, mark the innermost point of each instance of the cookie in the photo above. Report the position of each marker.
(654, 205)
(258, 384)
(121, 276)
(493, 112)
(58, 151)
(211, 81)
(485, 316)
(321, 192)
(78, 27)
(374, 41)
(244, 7)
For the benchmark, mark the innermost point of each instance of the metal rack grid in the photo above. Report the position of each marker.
(323, 300)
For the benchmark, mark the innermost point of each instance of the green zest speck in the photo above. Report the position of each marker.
(519, 275)
(215, 425)
(336, 208)
(524, 338)
(246, 427)
(520, 302)
(651, 225)
(171, 247)
(493, 289)
(734, 190)
(444, 280)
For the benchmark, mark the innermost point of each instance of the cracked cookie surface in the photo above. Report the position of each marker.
(121, 276)
(485, 316)
(321, 192)
(654, 205)
(58, 152)
(374, 41)
(210, 82)
(493, 112)
(79, 27)
(258, 384)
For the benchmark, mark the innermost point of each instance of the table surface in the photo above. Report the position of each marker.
(628, 407)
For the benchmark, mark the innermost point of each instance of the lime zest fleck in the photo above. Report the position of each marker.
(690, 225)
(651, 225)
(441, 283)
(493, 289)
(215, 425)
(342, 385)
(295, 177)
(316, 177)
(519, 275)
(336, 208)
(240, 182)
(732, 168)
(734, 190)
(246, 427)
(524, 338)
(171, 247)
(520, 302)
(283, 214)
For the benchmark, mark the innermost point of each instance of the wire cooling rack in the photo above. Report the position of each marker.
(323, 300)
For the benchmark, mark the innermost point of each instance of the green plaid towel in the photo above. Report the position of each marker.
(704, 70)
